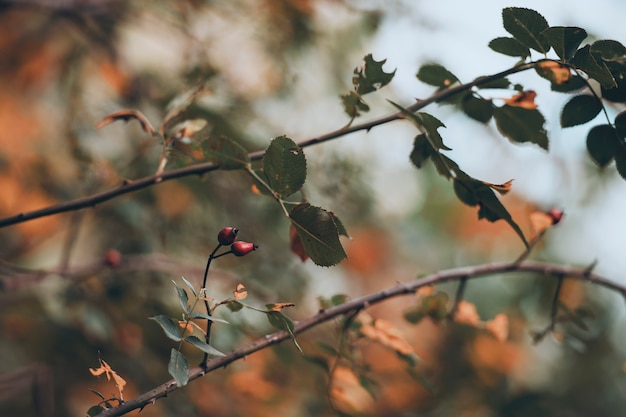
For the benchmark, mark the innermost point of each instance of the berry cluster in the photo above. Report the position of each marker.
(228, 236)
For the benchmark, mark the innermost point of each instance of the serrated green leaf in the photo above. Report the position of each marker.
(602, 144)
(580, 110)
(170, 327)
(521, 125)
(371, 76)
(319, 235)
(473, 192)
(617, 94)
(353, 104)
(178, 368)
(585, 61)
(565, 40)
(509, 46)
(427, 124)
(526, 25)
(477, 108)
(499, 83)
(445, 166)
(609, 50)
(341, 229)
(205, 316)
(284, 166)
(436, 75)
(183, 298)
(190, 286)
(226, 153)
(203, 346)
(421, 151)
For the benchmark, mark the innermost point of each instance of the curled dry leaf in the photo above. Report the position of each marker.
(560, 73)
(126, 115)
(466, 314)
(525, 100)
(279, 306)
(501, 188)
(240, 292)
(386, 333)
(106, 369)
(499, 327)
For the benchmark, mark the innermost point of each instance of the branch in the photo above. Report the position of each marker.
(466, 273)
(129, 186)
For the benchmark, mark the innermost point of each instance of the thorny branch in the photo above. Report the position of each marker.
(545, 269)
(129, 186)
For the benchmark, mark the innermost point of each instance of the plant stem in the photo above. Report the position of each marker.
(209, 323)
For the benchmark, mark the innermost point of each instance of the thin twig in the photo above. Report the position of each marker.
(543, 269)
(460, 291)
(203, 168)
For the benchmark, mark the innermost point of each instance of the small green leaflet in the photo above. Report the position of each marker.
(428, 123)
(477, 108)
(182, 298)
(170, 327)
(609, 50)
(526, 26)
(580, 110)
(280, 321)
(353, 104)
(205, 347)
(371, 76)
(319, 234)
(436, 75)
(226, 153)
(603, 144)
(284, 166)
(178, 368)
(521, 125)
(597, 70)
(473, 192)
(510, 47)
(565, 40)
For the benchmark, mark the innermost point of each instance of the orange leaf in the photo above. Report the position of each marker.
(295, 244)
(499, 327)
(561, 74)
(386, 333)
(347, 394)
(126, 115)
(185, 325)
(106, 369)
(525, 100)
(501, 188)
(466, 314)
(240, 292)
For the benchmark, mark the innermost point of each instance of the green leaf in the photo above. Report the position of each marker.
(341, 229)
(190, 286)
(609, 50)
(584, 61)
(436, 75)
(353, 104)
(371, 76)
(205, 316)
(234, 306)
(526, 26)
(226, 153)
(510, 47)
(521, 125)
(499, 83)
(602, 144)
(565, 40)
(421, 151)
(473, 192)
(445, 166)
(427, 124)
(205, 347)
(477, 108)
(580, 110)
(620, 124)
(95, 410)
(280, 321)
(284, 166)
(575, 83)
(182, 298)
(170, 327)
(178, 368)
(620, 160)
(617, 94)
(318, 232)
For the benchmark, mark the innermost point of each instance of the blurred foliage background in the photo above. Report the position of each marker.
(83, 284)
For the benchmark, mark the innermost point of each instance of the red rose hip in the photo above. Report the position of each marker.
(227, 235)
(242, 248)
